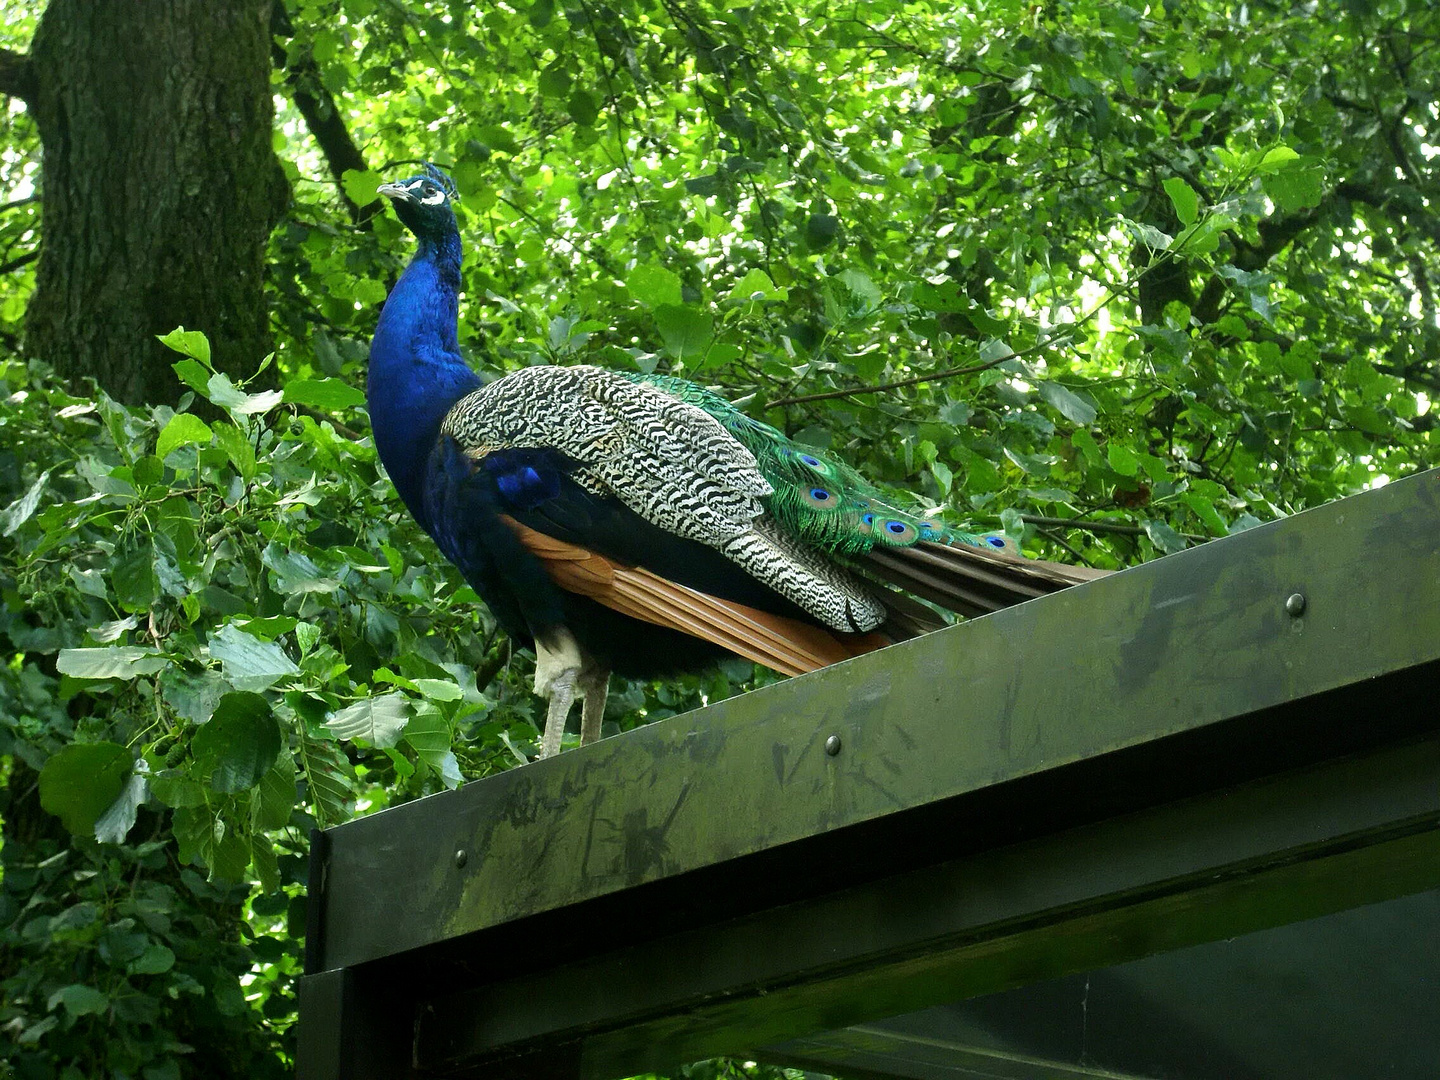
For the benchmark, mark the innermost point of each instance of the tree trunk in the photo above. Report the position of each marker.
(160, 187)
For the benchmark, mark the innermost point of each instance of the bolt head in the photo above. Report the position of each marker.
(1295, 605)
(832, 745)
(460, 859)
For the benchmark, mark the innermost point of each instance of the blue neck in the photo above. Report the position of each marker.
(416, 372)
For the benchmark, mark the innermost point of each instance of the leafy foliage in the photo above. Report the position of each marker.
(1114, 279)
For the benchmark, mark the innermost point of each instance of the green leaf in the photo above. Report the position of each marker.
(239, 745)
(439, 689)
(1163, 536)
(267, 866)
(295, 572)
(275, 796)
(1184, 199)
(498, 137)
(191, 343)
(1205, 510)
(229, 856)
(1122, 459)
(237, 448)
(327, 395)
(113, 629)
(584, 109)
(448, 770)
(428, 734)
(555, 81)
(183, 429)
(1296, 188)
(821, 230)
(865, 296)
(361, 188)
(944, 477)
(268, 629)
(23, 508)
(79, 1000)
(132, 573)
(756, 285)
(115, 823)
(1067, 403)
(148, 471)
(1276, 158)
(35, 1032)
(330, 777)
(155, 960)
(193, 696)
(1203, 237)
(177, 792)
(377, 720)
(654, 286)
(687, 333)
(949, 298)
(1148, 235)
(248, 663)
(984, 322)
(223, 392)
(81, 780)
(194, 375)
(113, 662)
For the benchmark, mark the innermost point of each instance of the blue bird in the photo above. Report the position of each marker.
(642, 524)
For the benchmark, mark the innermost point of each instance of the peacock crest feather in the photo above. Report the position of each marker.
(818, 498)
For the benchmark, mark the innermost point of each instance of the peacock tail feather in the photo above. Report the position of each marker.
(819, 498)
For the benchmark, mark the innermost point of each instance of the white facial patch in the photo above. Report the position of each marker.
(430, 200)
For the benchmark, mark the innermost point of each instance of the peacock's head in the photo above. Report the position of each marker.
(423, 203)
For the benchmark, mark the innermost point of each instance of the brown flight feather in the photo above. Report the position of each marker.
(785, 645)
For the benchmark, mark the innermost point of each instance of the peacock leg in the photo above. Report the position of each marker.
(595, 686)
(562, 694)
(558, 663)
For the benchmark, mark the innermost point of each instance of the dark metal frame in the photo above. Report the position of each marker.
(1239, 736)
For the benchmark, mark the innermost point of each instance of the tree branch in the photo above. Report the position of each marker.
(934, 376)
(17, 76)
(1276, 234)
(20, 260)
(1097, 526)
(322, 116)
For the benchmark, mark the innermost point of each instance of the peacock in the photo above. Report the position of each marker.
(642, 524)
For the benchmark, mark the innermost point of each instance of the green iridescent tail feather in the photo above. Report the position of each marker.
(819, 498)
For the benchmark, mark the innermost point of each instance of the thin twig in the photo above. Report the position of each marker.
(1056, 539)
(936, 376)
(1098, 526)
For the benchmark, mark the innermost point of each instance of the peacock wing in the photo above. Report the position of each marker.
(670, 462)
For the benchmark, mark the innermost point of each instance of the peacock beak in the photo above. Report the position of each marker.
(395, 191)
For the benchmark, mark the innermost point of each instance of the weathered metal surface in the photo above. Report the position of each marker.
(1174, 754)
(1271, 852)
(1168, 647)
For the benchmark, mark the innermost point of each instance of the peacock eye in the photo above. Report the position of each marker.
(819, 494)
(995, 541)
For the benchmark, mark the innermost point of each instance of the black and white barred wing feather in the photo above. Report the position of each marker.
(668, 461)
